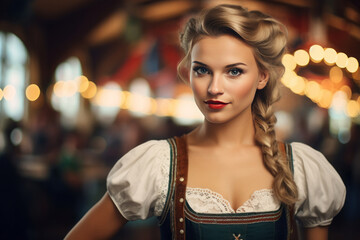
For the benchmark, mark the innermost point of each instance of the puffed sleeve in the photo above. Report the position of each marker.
(134, 183)
(321, 190)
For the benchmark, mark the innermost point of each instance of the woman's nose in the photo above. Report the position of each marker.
(216, 86)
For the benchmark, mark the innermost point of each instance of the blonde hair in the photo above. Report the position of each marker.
(268, 38)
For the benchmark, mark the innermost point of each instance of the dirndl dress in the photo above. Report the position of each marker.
(180, 221)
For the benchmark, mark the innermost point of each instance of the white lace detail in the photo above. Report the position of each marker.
(164, 160)
(207, 201)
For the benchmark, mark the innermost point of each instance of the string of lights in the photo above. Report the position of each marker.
(330, 91)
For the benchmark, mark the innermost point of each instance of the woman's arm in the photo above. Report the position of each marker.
(316, 233)
(102, 221)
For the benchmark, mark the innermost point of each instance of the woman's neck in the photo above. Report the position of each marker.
(234, 133)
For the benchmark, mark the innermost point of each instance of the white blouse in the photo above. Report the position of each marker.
(138, 185)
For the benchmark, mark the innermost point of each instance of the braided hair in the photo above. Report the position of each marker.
(268, 39)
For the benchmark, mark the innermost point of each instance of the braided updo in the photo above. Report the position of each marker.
(268, 39)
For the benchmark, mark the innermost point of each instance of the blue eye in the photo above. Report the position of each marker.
(201, 70)
(235, 72)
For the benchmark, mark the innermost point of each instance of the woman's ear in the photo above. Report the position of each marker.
(263, 79)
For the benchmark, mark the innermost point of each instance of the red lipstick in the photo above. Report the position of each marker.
(214, 104)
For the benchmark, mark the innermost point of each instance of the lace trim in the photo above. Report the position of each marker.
(164, 160)
(207, 201)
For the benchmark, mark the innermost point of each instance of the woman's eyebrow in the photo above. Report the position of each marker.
(227, 66)
(200, 63)
(235, 64)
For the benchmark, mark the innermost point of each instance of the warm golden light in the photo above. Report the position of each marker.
(326, 99)
(339, 101)
(324, 94)
(107, 97)
(9, 92)
(90, 92)
(288, 61)
(336, 74)
(70, 88)
(316, 53)
(165, 107)
(153, 106)
(125, 96)
(288, 77)
(139, 104)
(330, 56)
(83, 83)
(1, 94)
(353, 65)
(353, 108)
(299, 86)
(342, 60)
(313, 91)
(186, 109)
(32, 92)
(347, 90)
(301, 57)
(59, 89)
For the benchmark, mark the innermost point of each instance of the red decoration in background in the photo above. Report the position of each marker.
(170, 56)
(129, 68)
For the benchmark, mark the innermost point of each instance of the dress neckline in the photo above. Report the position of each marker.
(247, 206)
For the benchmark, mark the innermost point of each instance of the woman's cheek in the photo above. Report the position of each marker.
(241, 90)
(197, 87)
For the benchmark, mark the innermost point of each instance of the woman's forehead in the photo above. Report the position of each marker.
(224, 49)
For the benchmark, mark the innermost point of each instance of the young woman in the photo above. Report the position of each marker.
(228, 178)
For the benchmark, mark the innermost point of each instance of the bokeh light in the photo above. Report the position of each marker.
(186, 112)
(313, 91)
(347, 90)
(83, 83)
(353, 108)
(288, 61)
(339, 102)
(330, 56)
(59, 89)
(9, 92)
(301, 57)
(336, 74)
(299, 85)
(353, 65)
(165, 107)
(32, 92)
(341, 60)
(325, 99)
(316, 53)
(90, 92)
(109, 96)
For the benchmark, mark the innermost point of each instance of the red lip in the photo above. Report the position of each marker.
(214, 104)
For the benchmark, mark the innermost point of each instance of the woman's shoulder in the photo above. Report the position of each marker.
(149, 147)
(301, 149)
(138, 180)
(145, 157)
(320, 188)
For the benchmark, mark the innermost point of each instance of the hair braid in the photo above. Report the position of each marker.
(268, 39)
(284, 186)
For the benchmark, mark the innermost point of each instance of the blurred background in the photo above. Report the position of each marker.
(84, 81)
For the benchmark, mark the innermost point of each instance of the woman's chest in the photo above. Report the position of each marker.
(235, 177)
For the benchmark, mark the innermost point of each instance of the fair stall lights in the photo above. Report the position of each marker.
(322, 92)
